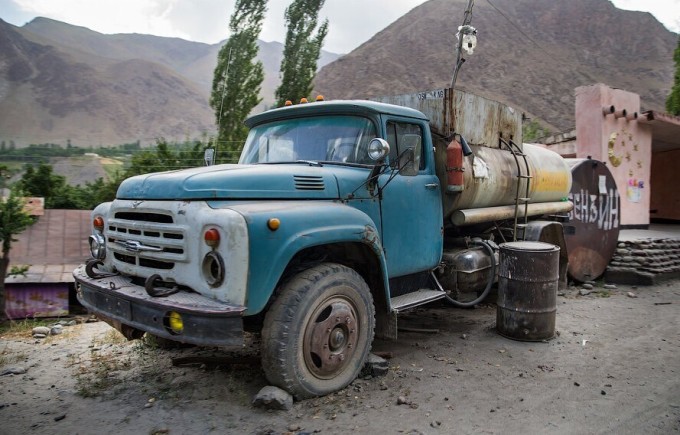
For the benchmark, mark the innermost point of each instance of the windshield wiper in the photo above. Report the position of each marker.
(310, 162)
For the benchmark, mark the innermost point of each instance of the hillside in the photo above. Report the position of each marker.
(61, 82)
(530, 54)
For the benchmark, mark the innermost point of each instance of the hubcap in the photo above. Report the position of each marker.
(330, 337)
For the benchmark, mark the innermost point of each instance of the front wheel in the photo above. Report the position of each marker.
(318, 332)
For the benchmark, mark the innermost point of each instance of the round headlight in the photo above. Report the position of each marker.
(378, 149)
(213, 269)
(97, 246)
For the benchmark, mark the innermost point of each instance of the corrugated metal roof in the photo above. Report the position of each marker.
(53, 246)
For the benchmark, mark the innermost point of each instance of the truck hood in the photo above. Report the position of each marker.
(289, 181)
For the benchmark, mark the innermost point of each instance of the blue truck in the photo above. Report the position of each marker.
(338, 216)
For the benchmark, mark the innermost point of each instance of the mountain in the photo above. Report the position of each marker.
(530, 54)
(60, 82)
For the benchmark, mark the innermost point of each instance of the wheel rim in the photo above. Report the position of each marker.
(331, 337)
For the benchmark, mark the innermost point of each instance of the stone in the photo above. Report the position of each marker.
(14, 371)
(610, 286)
(584, 292)
(375, 366)
(631, 295)
(271, 397)
(587, 286)
(56, 330)
(39, 336)
(43, 330)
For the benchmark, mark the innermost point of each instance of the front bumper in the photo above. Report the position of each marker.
(207, 322)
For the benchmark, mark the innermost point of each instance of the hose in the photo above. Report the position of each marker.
(489, 282)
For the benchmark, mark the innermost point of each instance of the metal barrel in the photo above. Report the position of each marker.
(527, 290)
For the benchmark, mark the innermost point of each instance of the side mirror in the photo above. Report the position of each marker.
(409, 159)
(209, 156)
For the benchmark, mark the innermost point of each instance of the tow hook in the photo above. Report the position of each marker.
(90, 270)
(158, 292)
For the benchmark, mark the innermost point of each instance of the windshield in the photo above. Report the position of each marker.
(320, 138)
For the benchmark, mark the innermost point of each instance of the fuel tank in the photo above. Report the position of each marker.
(491, 174)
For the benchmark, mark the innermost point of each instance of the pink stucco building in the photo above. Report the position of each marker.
(641, 149)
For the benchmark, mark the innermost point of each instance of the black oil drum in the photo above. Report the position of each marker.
(527, 290)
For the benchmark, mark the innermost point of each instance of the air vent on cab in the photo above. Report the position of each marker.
(309, 182)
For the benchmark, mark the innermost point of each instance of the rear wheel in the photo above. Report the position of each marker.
(318, 333)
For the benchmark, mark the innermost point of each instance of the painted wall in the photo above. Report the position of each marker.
(665, 201)
(619, 141)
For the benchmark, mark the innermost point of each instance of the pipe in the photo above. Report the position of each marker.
(489, 214)
(620, 113)
(608, 110)
(489, 282)
(632, 116)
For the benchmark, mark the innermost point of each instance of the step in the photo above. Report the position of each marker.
(525, 176)
(416, 298)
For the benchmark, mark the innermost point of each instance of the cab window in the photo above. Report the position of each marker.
(402, 135)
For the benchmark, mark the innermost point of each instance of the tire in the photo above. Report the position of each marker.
(317, 334)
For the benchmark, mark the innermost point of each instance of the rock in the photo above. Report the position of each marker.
(610, 286)
(60, 417)
(271, 397)
(584, 292)
(42, 330)
(631, 295)
(56, 330)
(14, 371)
(375, 366)
(294, 427)
(401, 400)
(39, 335)
(71, 323)
(587, 286)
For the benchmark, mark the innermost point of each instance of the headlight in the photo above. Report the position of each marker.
(378, 149)
(97, 246)
(213, 269)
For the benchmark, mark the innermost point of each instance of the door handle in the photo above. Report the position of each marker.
(431, 186)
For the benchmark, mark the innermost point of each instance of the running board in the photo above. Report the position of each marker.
(415, 299)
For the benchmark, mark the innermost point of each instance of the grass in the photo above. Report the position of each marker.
(17, 328)
(7, 357)
(97, 372)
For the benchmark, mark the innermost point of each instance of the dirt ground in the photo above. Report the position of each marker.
(613, 368)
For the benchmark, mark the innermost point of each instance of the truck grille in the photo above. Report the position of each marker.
(150, 240)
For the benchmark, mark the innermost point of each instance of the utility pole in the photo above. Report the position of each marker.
(467, 39)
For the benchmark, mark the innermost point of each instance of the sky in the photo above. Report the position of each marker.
(351, 22)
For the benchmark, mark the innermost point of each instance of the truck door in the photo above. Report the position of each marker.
(411, 207)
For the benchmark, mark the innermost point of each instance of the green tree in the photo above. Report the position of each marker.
(238, 77)
(673, 100)
(13, 220)
(301, 50)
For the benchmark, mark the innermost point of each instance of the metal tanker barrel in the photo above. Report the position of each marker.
(527, 290)
(592, 233)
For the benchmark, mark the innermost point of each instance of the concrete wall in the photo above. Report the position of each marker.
(665, 200)
(622, 143)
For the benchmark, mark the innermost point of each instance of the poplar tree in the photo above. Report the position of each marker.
(673, 100)
(13, 220)
(238, 77)
(301, 50)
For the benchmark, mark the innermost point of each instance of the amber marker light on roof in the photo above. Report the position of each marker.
(212, 237)
(98, 223)
(273, 224)
(303, 100)
(319, 98)
(288, 103)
